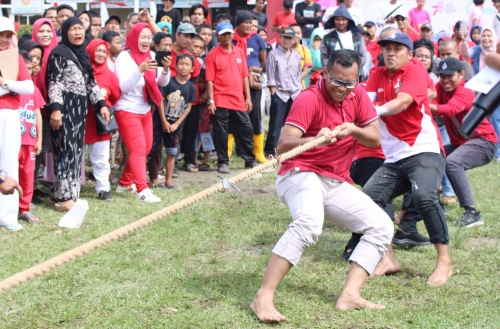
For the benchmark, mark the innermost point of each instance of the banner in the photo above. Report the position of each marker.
(146, 3)
(27, 7)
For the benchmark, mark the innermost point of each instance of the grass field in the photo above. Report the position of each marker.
(201, 267)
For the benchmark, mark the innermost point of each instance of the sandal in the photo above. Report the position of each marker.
(204, 167)
(29, 217)
(172, 187)
(190, 167)
(64, 206)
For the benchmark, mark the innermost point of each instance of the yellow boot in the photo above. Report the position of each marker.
(258, 148)
(230, 145)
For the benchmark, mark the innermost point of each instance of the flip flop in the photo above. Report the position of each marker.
(29, 217)
(172, 187)
(204, 167)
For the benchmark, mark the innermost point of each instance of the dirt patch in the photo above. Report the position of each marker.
(476, 243)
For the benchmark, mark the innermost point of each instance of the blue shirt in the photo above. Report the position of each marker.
(254, 45)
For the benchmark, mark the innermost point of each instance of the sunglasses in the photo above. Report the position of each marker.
(400, 19)
(340, 83)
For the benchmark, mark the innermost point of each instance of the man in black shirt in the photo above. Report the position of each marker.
(259, 14)
(169, 14)
(308, 15)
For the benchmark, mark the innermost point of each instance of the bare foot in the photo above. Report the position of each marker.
(441, 274)
(347, 302)
(400, 216)
(387, 265)
(264, 310)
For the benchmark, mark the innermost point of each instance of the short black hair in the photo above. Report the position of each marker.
(64, 6)
(160, 36)
(47, 10)
(184, 55)
(222, 16)
(343, 57)
(93, 13)
(196, 6)
(423, 43)
(109, 35)
(130, 15)
(203, 26)
(197, 37)
(26, 56)
(478, 2)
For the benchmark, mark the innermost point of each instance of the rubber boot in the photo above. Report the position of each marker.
(258, 148)
(230, 145)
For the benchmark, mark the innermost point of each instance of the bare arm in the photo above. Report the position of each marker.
(368, 135)
(398, 104)
(291, 137)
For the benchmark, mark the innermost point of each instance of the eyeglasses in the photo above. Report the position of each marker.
(400, 19)
(340, 83)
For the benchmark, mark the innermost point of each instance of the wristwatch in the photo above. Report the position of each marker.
(210, 102)
(3, 176)
(4, 84)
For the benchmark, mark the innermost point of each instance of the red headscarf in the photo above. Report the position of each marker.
(99, 69)
(240, 41)
(132, 45)
(40, 77)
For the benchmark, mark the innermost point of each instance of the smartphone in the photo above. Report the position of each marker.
(463, 27)
(160, 54)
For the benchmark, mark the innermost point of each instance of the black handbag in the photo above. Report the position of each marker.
(102, 127)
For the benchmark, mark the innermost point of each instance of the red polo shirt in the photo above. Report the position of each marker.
(374, 50)
(227, 70)
(313, 110)
(11, 101)
(283, 20)
(411, 131)
(457, 104)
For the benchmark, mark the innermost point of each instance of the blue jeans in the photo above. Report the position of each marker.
(445, 183)
(278, 113)
(495, 121)
(420, 174)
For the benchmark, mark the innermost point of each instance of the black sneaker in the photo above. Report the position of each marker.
(105, 196)
(353, 242)
(403, 239)
(251, 164)
(470, 218)
(223, 169)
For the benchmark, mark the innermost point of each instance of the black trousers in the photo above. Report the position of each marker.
(241, 127)
(421, 174)
(189, 133)
(279, 111)
(154, 157)
(256, 114)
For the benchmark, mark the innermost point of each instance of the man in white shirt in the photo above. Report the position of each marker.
(387, 15)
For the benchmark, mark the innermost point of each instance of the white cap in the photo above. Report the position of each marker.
(7, 25)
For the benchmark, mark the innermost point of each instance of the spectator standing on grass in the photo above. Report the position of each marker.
(258, 12)
(409, 140)
(304, 53)
(229, 99)
(31, 143)
(71, 85)
(308, 16)
(179, 94)
(51, 14)
(255, 48)
(113, 24)
(369, 33)
(316, 186)
(284, 79)
(63, 13)
(404, 26)
(96, 23)
(170, 15)
(478, 53)
(419, 16)
(139, 77)
(284, 18)
(10, 132)
(453, 102)
(99, 144)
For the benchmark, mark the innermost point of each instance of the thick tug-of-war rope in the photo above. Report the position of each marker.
(69, 255)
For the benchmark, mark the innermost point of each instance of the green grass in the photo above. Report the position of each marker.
(200, 267)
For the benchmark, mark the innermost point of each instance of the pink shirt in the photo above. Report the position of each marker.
(418, 17)
(27, 106)
(475, 14)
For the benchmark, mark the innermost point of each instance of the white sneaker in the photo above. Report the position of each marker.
(147, 196)
(121, 189)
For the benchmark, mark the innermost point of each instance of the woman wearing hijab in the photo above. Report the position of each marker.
(86, 19)
(486, 46)
(10, 126)
(139, 78)
(475, 34)
(45, 35)
(71, 84)
(98, 50)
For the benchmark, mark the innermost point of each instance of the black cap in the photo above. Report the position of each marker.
(364, 30)
(449, 65)
(115, 17)
(288, 3)
(242, 16)
(287, 32)
(369, 24)
(426, 26)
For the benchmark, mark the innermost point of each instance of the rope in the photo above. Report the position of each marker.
(123, 231)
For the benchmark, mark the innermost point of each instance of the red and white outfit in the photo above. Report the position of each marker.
(99, 144)
(10, 138)
(412, 131)
(29, 137)
(133, 112)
